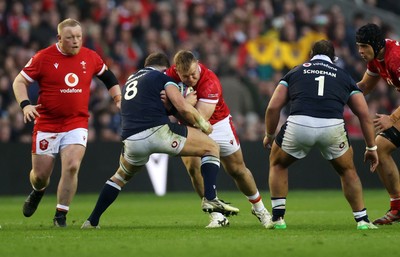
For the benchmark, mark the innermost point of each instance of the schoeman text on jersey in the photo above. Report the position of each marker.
(321, 72)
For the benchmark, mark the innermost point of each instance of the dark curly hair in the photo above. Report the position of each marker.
(323, 47)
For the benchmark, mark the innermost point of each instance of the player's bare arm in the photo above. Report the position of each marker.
(272, 114)
(111, 82)
(186, 111)
(368, 83)
(206, 110)
(191, 98)
(115, 93)
(21, 94)
(359, 107)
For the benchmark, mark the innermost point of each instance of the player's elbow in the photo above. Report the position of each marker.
(272, 110)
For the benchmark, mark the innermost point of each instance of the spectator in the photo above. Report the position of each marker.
(256, 39)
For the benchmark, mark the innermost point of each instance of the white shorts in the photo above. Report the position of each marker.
(300, 133)
(224, 133)
(161, 139)
(48, 143)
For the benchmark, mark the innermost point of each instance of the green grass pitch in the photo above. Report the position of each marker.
(320, 223)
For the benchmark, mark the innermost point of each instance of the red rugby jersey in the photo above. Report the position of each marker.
(209, 90)
(389, 67)
(64, 87)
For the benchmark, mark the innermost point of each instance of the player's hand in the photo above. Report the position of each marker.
(267, 142)
(117, 101)
(30, 112)
(372, 158)
(191, 98)
(382, 122)
(165, 100)
(118, 104)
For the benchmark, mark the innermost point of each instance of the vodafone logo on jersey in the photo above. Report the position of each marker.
(71, 79)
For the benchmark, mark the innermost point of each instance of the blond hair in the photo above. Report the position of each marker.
(183, 60)
(67, 23)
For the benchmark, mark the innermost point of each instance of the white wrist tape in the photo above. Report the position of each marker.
(373, 148)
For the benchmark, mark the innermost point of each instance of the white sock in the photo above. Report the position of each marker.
(256, 201)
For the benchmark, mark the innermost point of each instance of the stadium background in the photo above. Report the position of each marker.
(249, 44)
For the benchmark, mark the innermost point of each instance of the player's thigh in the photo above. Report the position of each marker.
(279, 158)
(234, 162)
(42, 164)
(387, 142)
(71, 156)
(344, 163)
(167, 138)
(199, 144)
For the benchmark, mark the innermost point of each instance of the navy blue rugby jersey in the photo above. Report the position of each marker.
(141, 105)
(319, 88)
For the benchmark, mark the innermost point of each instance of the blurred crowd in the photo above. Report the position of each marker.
(248, 44)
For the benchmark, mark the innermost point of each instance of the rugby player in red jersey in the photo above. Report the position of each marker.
(383, 61)
(212, 107)
(64, 72)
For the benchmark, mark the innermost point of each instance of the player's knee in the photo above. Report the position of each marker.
(73, 166)
(40, 175)
(213, 148)
(121, 177)
(41, 178)
(124, 173)
(238, 171)
(348, 173)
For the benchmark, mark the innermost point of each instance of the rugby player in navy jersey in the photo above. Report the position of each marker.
(146, 129)
(317, 92)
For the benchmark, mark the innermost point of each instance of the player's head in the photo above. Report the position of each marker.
(69, 36)
(372, 35)
(323, 47)
(187, 67)
(158, 61)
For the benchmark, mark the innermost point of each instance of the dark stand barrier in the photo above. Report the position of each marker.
(101, 161)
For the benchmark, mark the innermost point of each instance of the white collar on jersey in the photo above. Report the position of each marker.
(321, 57)
(59, 49)
(152, 68)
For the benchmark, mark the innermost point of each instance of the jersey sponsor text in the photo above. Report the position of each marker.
(71, 90)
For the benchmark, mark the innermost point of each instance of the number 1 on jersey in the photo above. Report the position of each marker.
(321, 84)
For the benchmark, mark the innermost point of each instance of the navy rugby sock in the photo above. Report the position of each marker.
(107, 196)
(209, 170)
